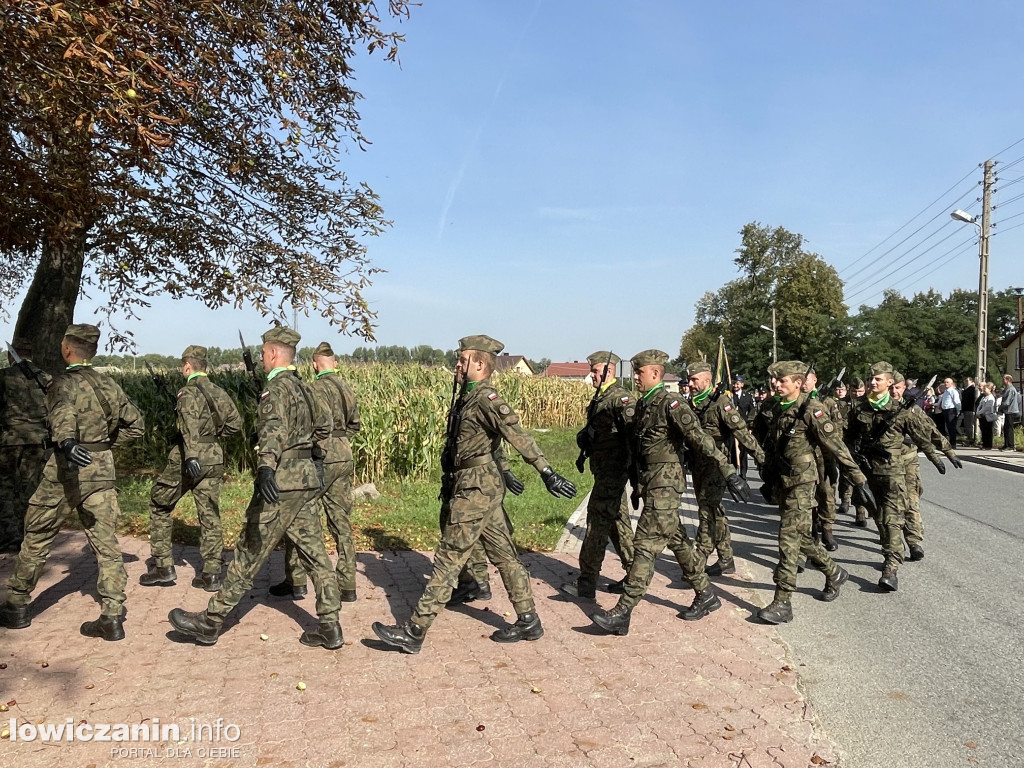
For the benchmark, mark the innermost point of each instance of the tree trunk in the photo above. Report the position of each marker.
(49, 305)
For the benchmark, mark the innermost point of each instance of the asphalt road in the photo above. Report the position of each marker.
(933, 674)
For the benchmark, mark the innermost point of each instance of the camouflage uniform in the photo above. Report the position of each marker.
(722, 421)
(606, 435)
(794, 430)
(23, 438)
(828, 472)
(844, 489)
(888, 478)
(204, 413)
(90, 408)
(913, 526)
(339, 401)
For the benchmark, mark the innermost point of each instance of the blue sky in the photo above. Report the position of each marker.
(569, 175)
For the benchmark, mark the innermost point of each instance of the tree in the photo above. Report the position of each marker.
(186, 148)
(539, 366)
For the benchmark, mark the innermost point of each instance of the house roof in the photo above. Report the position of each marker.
(1017, 335)
(506, 361)
(572, 370)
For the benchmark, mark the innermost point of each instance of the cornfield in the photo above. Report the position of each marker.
(403, 409)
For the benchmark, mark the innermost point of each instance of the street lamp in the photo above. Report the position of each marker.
(966, 218)
(775, 338)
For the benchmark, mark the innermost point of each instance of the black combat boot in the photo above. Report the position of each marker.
(158, 576)
(704, 603)
(348, 596)
(844, 508)
(211, 582)
(828, 540)
(108, 627)
(284, 589)
(889, 582)
(832, 585)
(582, 591)
(861, 521)
(615, 621)
(327, 635)
(722, 567)
(916, 552)
(196, 625)
(468, 591)
(779, 611)
(408, 637)
(527, 627)
(14, 616)
(617, 587)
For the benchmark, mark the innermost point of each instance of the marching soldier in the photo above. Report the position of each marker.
(878, 425)
(88, 415)
(23, 439)
(292, 429)
(720, 418)
(664, 423)
(339, 401)
(825, 492)
(856, 390)
(605, 440)
(475, 511)
(205, 414)
(796, 424)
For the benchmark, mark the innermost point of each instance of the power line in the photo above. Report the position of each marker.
(942, 263)
(883, 278)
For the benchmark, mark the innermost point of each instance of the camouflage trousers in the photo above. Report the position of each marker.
(21, 469)
(713, 527)
(169, 488)
(297, 517)
(336, 499)
(913, 524)
(658, 528)
(608, 519)
(825, 494)
(475, 570)
(796, 512)
(475, 518)
(890, 492)
(96, 503)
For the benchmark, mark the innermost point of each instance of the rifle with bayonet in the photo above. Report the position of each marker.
(451, 436)
(160, 381)
(836, 380)
(250, 366)
(585, 437)
(30, 373)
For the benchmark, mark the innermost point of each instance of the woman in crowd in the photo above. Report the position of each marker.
(986, 410)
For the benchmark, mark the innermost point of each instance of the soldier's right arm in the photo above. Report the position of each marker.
(500, 417)
(189, 415)
(353, 423)
(683, 419)
(227, 410)
(827, 436)
(130, 422)
(60, 406)
(272, 427)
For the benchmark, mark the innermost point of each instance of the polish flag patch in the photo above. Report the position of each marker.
(818, 414)
(492, 396)
(727, 408)
(624, 399)
(673, 405)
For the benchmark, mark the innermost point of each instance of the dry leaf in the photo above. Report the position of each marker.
(301, 686)
(480, 727)
(535, 689)
(45, 664)
(5, 733)
(818, 760)
(273, 675)
(787, 668)
(729, 728)
(727, 736)
(971, 744)
(698, 705)
(3, 666)
(264, 637)
(89, 687)
(4, 707)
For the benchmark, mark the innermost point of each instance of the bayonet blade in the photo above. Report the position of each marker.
(18, 360)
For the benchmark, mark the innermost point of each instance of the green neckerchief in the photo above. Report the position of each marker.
(607, 384)
(192, 376)
(698, 399)
(880, 402)
(652, 390)
(786, 404)
(813, 393)
(324, 373)
(471, 385)
(276, 371)
(83, 364)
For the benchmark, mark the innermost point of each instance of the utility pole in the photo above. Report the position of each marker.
(986, 218)
(775, 339)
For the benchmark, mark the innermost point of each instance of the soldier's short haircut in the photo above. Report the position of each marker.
(197, 364)
(82, 348)
(286, 349)
(489, 359)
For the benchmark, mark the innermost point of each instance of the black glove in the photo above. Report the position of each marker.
(193, 468)
(940, 466)
(512, 483)
(75, 454)
(955, 460)
(739, 487)
(581, 462)
(766, 492)
(863, 497)
(583, 440)
(556, 484)
(266, 485)
(634, 498)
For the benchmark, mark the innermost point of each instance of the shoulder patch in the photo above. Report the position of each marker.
(727, 408)
(504, 410)
(624, 399)
(828, 427)
(267, 408)
(265, 394)
(180, 393)
(818, 413)
(492, 396)
(630, 412)
(673, 405)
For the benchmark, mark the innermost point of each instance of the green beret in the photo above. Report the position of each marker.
(194, 350)
(90, 334)
(880, 368)
(323, 349)
(790, 368)
(649, 357)
(698, 367)
(897, 377)
(604, 356)
(480, 343)
(282, 334)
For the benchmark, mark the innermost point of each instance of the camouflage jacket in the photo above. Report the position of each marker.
(885, 454)
(664, 423)
(291, 423)
(339, 401)
(22, 407)
(759, 424)
(843, 410)
(722, 420)
(610, 422)
(205, 412)
(793, 434)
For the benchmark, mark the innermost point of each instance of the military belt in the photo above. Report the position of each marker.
(476, 461)
(297, 453)
(339, 433)
(95, 447)
(802, 457)
(206, 439)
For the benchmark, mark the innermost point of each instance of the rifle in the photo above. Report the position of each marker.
(451, 436)
(26, 369)
(591, 409)
(161, 384)
(836, 380)
(250, 366)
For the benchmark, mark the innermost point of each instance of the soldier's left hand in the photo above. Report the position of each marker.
(193, 468)
(940, 466)
(739, 487)
(955, 461)
(556, 484)
(512, 483)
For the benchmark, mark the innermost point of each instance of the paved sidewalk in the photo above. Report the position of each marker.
(1010, 460)
(719, 692)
